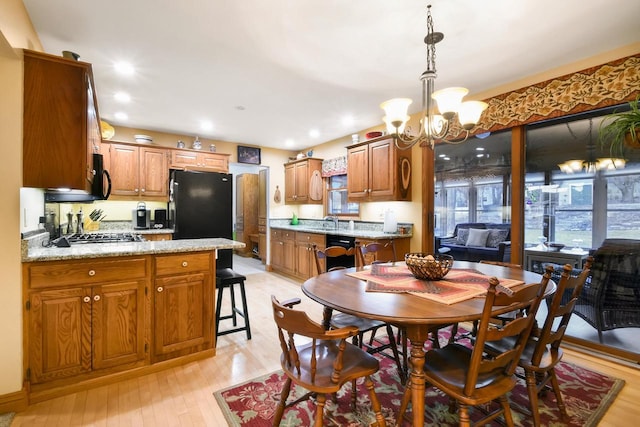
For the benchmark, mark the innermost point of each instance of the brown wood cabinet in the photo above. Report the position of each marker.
(85, 317)
(378, 171)
(262, 215)
(158, 236)
(182, 304)
(61, 122)
(199, 160)
(305, 259)
(300, 181)
(137, 171)
(283, 251)
(292, 252)
(247, 192)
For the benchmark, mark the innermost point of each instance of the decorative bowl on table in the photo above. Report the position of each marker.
(555, 247)
(425, 266)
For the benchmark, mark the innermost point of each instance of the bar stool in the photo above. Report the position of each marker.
(227, 278)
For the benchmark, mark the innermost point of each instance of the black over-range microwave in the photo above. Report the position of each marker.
(100, 187)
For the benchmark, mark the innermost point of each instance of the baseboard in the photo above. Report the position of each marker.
(14, 402)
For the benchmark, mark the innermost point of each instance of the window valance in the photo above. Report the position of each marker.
(335, 166)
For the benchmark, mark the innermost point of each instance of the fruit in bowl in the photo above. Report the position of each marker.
(425, 266)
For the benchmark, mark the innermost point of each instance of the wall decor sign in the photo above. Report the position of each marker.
(250, 155)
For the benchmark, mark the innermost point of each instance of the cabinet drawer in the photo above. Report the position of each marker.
(310, 238)
(182, 263)
(85, 272)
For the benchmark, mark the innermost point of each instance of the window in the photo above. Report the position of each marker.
(337, 203)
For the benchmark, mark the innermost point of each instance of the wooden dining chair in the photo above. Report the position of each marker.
(365, 326)
(375, 252)
(470, 378)
(542, 351)
(321, 362)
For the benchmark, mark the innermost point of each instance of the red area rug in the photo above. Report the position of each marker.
(587, 395)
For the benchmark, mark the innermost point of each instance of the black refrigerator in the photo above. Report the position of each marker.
(200, 207)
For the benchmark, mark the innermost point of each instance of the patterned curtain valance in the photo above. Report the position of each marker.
(605, 85)
(336, 166)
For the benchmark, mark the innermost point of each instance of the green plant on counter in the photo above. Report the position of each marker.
(620, 130)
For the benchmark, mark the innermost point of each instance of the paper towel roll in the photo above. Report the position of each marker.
(390, 223)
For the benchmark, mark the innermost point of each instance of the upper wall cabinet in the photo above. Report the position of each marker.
(199, 160)
(303, 181)
(378, 171)
(61, 122)
(137, 171)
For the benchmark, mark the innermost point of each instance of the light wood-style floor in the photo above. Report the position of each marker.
(183, 396)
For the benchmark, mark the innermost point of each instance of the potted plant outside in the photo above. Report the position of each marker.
(621, 130)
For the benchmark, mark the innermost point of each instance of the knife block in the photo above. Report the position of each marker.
(90, 225)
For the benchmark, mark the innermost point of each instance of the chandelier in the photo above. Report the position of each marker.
(591, 164)
(449, 102)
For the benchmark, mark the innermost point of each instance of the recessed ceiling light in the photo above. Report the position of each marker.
(289, 143)
(314, 133)
(120, 116)
(124, 68)
(206, 125)
(122, 97)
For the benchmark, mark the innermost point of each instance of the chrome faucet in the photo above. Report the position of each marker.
(332, 218)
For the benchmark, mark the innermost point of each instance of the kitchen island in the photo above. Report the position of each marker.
(97, 313)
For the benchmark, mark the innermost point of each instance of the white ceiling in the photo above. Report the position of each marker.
(297, 65)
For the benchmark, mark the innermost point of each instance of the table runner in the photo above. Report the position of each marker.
(458, 285)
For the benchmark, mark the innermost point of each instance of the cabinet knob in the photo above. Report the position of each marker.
(160, 289)
(92, 273)
(96, 297)
(86, 299)
(142, 190)
(135, 189)
(185, 263)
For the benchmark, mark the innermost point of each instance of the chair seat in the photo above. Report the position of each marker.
(341, 320)
(447, 369)
(356, 363)
(549, 359)
(227, 276)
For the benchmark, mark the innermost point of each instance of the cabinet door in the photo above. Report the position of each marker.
(154, 172)
(56, 127)
(214, 162)
(118, 324)
(277, 250)
(124, 164)
(60, 333)
(289, 256)
(302, 182)
(180, 159)
(381, 169)
(304, 261)
(358, 173)
(289, 184)
(183, 313)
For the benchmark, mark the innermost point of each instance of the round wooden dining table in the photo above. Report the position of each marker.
(418, 316)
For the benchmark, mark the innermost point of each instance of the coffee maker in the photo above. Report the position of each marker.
(141, 217)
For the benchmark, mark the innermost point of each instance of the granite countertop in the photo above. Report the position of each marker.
(32, 253)
(363, 234)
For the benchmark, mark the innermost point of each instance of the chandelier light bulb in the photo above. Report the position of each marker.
(470, 112)
(449, 100)
(396, 111)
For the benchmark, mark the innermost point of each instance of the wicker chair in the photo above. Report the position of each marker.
(610, 298)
